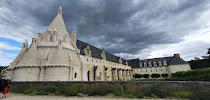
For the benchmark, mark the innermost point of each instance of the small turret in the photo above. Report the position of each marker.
(40, 36)
(48, 35)
(74, 36)
(34, 41)
(25, 45)
(54, 36)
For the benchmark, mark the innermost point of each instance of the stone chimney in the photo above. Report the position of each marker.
(177, 55)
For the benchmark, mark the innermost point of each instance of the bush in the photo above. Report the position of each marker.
(137, 76)
(201, 94)
(164, 75)
(29, 91)
(182, 94)
(155, 75)
(192, 75)
(50, 89)
(146, 75)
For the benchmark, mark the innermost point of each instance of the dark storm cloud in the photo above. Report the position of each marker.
(119, 26)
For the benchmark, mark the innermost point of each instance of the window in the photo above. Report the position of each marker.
(145, 64)
(166, 69)
(75, 75)
(87, 59)
(150, 64)
(154, 64)
(156, 70)
(161, 70)
(92, 60)
(140, 64)
(151, 70)
(159, 63)
(146, 70)
(164, 63)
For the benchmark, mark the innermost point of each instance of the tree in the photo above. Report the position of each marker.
(155, 75)
(164, 75)
(146, 75)
(208, 53)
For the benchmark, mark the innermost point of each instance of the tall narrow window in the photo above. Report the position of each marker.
(75, 75)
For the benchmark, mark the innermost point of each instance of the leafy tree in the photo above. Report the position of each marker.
(155, 75)
(146, 75)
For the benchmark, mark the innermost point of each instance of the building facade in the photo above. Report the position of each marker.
(56, 56)
(164, 65)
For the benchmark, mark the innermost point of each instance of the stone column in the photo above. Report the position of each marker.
(123, 74)
(126, 74)
(41, 76)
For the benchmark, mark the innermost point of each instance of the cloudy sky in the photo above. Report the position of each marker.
(128, 28)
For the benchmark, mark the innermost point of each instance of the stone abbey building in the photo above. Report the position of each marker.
(56, 56)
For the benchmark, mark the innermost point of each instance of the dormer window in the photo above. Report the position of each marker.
(140, 64)
(150, 64)
(159, 63)
(154, 64)
(145, 64)
(164, 63)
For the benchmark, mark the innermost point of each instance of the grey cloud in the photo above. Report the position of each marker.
(124, 26)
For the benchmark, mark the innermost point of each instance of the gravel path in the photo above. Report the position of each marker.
(12, 96)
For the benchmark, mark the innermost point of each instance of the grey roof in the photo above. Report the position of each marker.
(134, 63)
(176, 60)
(96, 52)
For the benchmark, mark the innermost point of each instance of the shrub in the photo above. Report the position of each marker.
(50, 89)
(31, 90)
(192, 75)
(137, 76)
(182, 94)
(155, 75)
(201, 94)
(164, 75)
(146, 75)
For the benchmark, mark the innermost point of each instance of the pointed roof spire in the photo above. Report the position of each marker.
(26, 41)
(60, 10)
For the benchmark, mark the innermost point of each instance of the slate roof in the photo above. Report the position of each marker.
(134, 63)
(96, 52)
